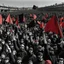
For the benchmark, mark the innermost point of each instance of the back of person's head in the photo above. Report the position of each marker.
(48, 62)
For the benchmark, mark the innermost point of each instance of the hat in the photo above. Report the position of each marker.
(48, 62)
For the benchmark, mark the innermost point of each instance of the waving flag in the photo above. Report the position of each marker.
(52, 25)
(9, 19)
(1, 19)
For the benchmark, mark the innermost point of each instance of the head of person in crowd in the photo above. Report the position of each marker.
(6, 50)
(22, 41)
(7, 60)
(40, 48)
(14, 52)
(51, 51)
(0, 46)
(48, 45)
(19, 60)
(11, 45)
(27, 48)
(0, 40)
(0, 59)
(30, 62)
(61, 61)
(50, 34)
(48, 62)
(1, 31)
(62, 41)
(36, 42)
(3, 55)
(9, 42)
(48, 40)
(24, 36)
(55, 39)
(40, 56)
(55, 47)
(3, 42)
(56, 36)
(22, 47)
(31, 51)
(46, 36)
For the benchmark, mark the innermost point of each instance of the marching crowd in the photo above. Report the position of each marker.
(29, 45)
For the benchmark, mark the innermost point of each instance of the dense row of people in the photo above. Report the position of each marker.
(29, 44)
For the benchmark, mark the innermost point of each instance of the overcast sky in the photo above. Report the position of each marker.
(29, 3)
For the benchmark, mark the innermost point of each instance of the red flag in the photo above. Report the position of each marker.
(34, 16)
(13, 19)
(1, 19)
(42, 25)
(16, 21)
(61, 21)
(9, 20)
(53, 26)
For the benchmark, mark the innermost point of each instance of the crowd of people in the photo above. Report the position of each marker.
(29, 44)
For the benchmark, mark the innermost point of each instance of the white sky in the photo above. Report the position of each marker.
(29, 3)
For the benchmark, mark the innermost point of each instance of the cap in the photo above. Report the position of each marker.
(48, 62)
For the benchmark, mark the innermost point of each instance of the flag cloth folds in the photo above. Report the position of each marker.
(53, 26)
(9, 19)
(1, 19)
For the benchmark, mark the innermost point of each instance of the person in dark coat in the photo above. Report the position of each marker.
(40, 59)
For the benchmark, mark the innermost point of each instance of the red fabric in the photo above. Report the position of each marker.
(16, 21)
(42, 25)
(61, 21)
(9, 20)
(48, 62)
(1, 19)
(13, 19)
(53, 26)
